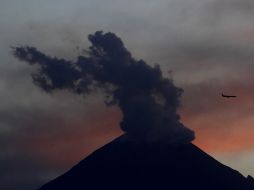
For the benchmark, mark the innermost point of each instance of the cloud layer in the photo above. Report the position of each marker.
(207, 44)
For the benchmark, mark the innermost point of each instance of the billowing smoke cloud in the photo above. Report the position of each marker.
(148, 101)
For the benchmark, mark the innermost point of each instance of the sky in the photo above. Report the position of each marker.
(206, 46)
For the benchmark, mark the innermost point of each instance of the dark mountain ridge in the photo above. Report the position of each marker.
(126, 164)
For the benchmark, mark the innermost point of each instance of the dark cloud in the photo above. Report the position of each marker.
(215, 52)
(245, 6)
(16, 172)
(147, 100)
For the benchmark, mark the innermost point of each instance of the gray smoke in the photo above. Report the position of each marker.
(148, 101)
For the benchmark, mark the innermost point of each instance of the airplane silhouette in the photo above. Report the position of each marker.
(227, 96)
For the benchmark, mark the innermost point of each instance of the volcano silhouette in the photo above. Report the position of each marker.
(125, 164)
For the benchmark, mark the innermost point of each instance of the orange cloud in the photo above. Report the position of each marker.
(221, 125)
(64, 146)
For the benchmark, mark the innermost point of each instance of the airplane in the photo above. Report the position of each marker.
(227, 96)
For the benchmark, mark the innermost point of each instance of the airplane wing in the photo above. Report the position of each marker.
(228, 96)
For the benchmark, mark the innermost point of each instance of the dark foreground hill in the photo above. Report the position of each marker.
(124, 164)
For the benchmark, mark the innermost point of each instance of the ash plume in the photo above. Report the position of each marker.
(148, 101)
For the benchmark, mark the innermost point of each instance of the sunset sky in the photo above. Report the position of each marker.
(207, 46)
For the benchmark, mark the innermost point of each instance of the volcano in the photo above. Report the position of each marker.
(126, 164)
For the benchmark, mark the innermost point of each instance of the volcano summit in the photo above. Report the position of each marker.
(125, 164)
